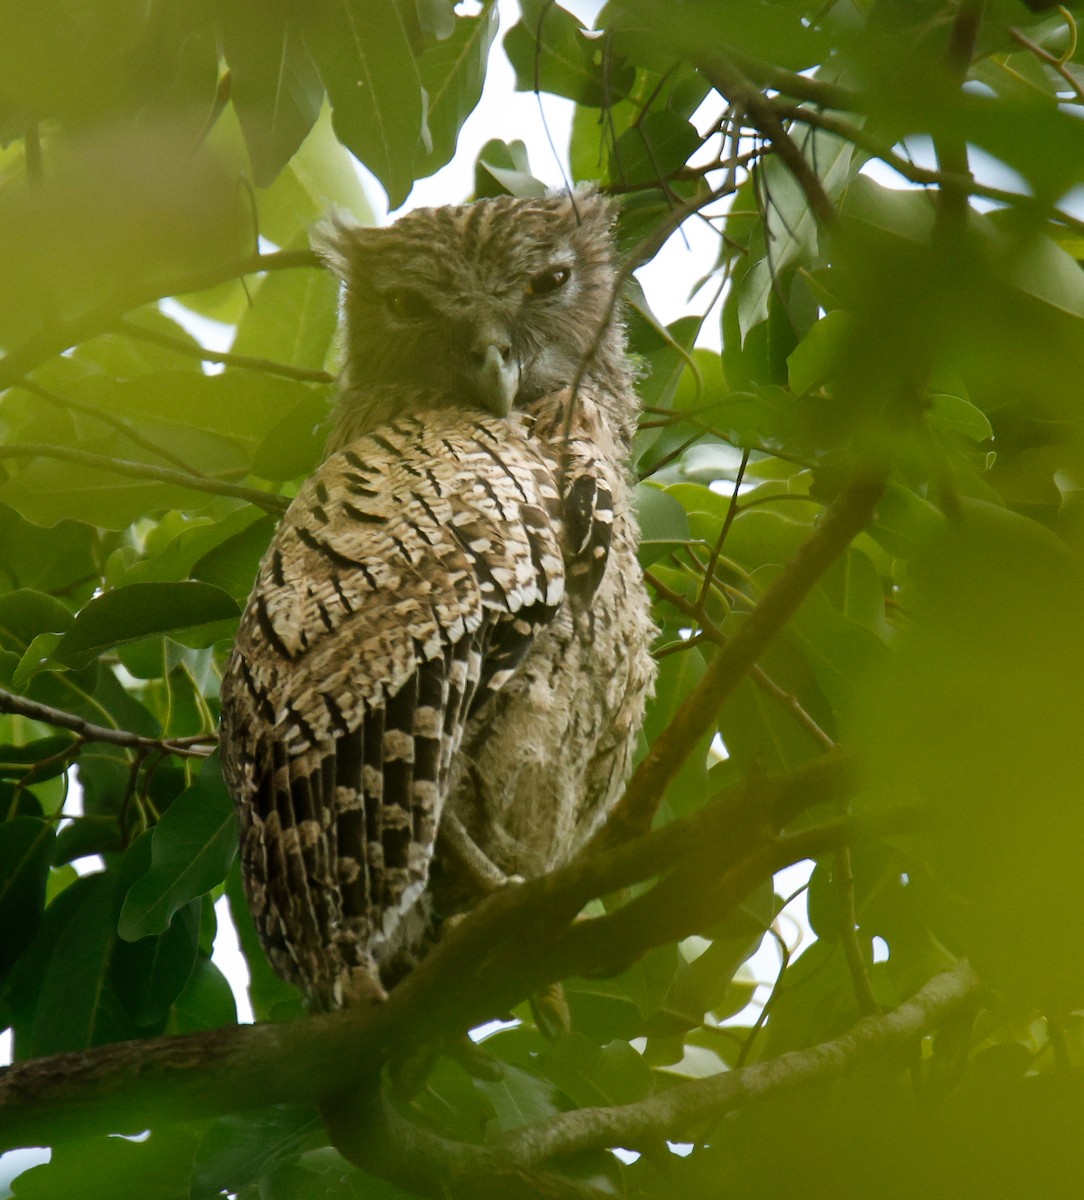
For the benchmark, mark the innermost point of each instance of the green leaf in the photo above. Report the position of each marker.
(50, 560)
(77, 1006)
(662, 520)
(519, 1098)
(109, 1168)
(291, 320)
(550, 52)
(502, 168)
(653, 149)
(26, 850)
(232, 564)
(139, 610)
(21, 762)
(590, 1075)
(150, 974)
(296, 444)
(815, 357)
(205, 1003)
(24, 614)
(241, 1148)
(275, 87)
(193, 846)
(364, 59)
(955, 415)
(452, 73)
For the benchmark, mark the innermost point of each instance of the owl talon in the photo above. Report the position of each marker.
(464, 852)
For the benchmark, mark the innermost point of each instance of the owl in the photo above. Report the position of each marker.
(440, 674)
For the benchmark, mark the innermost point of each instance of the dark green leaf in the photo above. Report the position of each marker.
(239, 1149)
(193, 846)
(653, 149)
(206, 1003)
(77, 1005)
(151, 973)
(590, 1075)
(138, 610)
(26, 850)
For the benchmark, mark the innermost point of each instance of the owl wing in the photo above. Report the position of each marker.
(407, 580)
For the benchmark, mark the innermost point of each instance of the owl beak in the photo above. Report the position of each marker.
(495, 377)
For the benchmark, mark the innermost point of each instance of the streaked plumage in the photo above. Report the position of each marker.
(450, 618)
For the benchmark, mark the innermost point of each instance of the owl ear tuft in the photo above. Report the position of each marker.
(337, 238)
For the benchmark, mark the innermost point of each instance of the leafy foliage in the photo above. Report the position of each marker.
(896, 291)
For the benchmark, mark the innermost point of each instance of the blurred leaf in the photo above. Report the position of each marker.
(193, 846)
(590, 1075)
(974, 717)
(239, 1149)
(108, 1168)
(519, 1098)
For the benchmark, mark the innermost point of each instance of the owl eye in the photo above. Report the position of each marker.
(407, 304)
(549, 281)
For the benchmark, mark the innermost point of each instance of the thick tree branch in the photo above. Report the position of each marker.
(88, 732)
(847, 516)
(515, 942)
(268, 501)
(684, 1109)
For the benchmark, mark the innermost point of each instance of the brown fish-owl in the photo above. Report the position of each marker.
(441, 671)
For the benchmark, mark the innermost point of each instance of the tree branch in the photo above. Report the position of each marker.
(847, 516)
(268, 501)
(688, 1106)
(515, 942)
(88, 732)
(723, 75)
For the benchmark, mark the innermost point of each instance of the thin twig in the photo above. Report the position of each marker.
(87, 731)
(843, 520)
(1050, 59)
(729, 81)
(268, 501)
(107, 418)
(265, 366)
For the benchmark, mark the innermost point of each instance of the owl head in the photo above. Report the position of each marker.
(488, 305)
